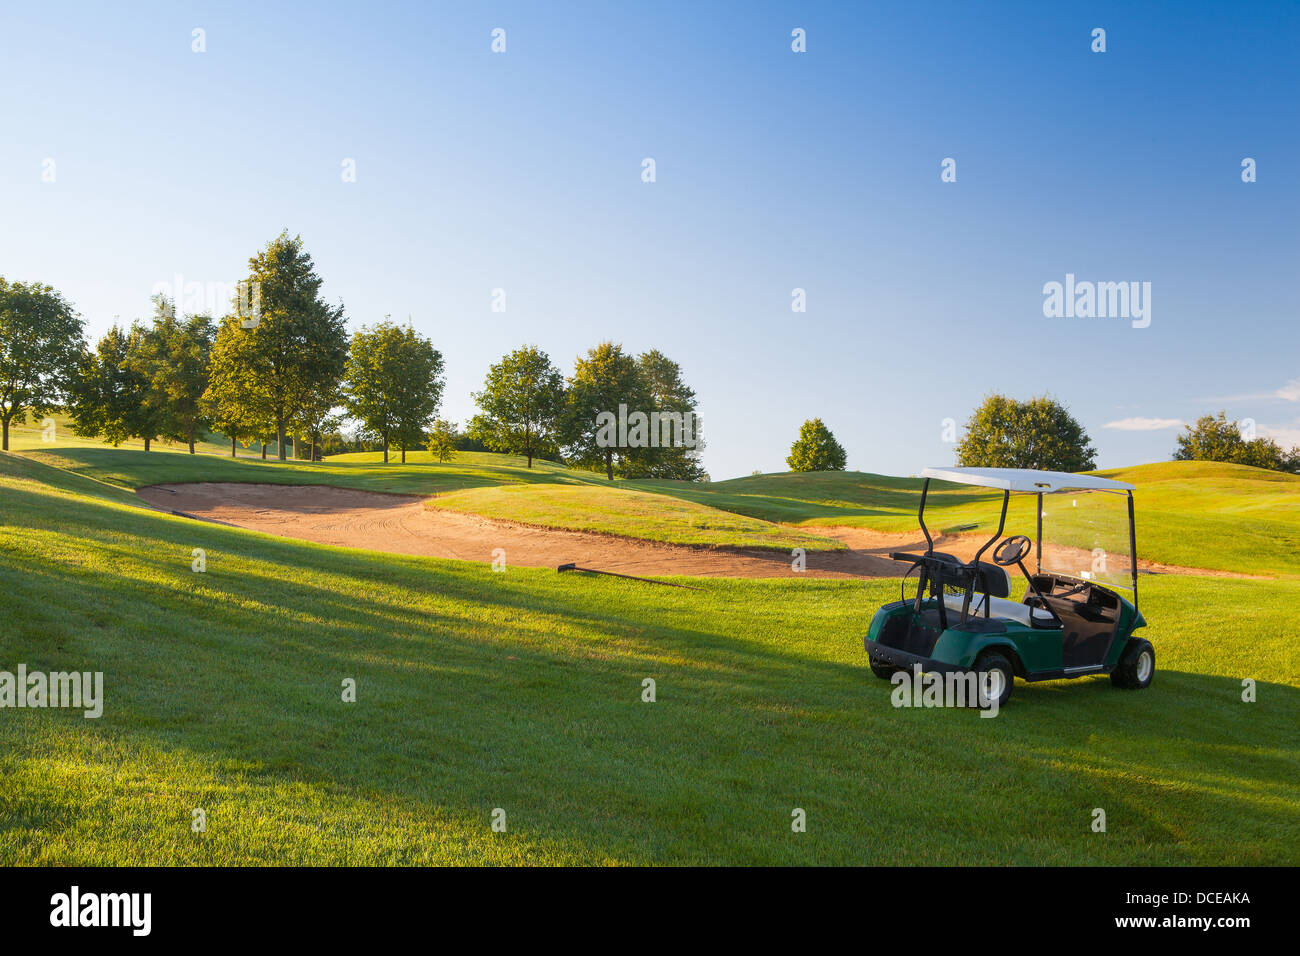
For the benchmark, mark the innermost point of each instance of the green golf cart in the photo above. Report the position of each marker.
(1080, 607)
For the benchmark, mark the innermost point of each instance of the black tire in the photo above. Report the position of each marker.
(989, 662)
(1136, 667)
(883, 671)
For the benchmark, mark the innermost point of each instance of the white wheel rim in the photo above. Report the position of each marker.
(1144, 666)
(993, 685)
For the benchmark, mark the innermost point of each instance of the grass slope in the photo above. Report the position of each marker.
(522, 691)
(32, 436)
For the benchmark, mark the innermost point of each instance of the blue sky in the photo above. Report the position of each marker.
(775, 170)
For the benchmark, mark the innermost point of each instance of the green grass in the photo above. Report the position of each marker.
(136, 469)
(521, 690)
(31, 435)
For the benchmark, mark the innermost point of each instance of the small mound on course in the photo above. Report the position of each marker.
(632, 514)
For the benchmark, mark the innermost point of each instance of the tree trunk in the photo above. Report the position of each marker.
(5, 424)
(313, 447)
(385, 449)
(232, 449)
(609, 465)
(263, 451)
(403, 454)
(146, 444)
(191, 439)
(279, 437)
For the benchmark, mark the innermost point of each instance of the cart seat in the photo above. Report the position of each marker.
(1003, 608)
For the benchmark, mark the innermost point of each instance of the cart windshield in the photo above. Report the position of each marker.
(1085, 535)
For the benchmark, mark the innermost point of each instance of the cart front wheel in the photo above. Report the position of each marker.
(995, 678)
(1136, 668)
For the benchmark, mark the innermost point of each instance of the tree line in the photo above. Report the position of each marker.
(286, 368)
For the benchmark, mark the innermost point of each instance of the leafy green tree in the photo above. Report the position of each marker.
(40, 346)
(235, 402)
(102, 389)
(112, 396)
(298, 346)
(1040, 433)
(419, 393)
(816, 449)
(522, 403)
(1210, 439)
(1217, 439)
(668, 393)
(442, 440)
(604, 379)
(393, 384)
(175, 356)
(315, 420)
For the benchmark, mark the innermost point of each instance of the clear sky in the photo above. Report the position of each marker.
(775, 170)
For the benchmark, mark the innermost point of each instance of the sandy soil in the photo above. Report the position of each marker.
(401, 524)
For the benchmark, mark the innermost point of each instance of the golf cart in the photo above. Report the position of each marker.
(1073, 620)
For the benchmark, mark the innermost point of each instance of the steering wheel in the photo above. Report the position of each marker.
(1012, 551)
(1073, 591)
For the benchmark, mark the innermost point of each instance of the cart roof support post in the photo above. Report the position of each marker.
(1133, 550)
(920, 516)
(1002, 523)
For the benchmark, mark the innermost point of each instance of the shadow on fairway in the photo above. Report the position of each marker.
(523, 691)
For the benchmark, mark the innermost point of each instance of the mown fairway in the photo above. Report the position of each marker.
(522, 691)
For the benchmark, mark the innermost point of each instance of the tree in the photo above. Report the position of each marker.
(297, 346)
(111, 395)
(604, 380)
(174, 357)
(1040, 433)
(393, 384)
(1217, 439)
(314, 421)
(40, 345)
(816, 449)
(670, 455)
(522, 402)
(442, 440)
(235, 401)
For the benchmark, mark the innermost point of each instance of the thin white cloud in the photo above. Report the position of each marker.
(1288, 436)
(1144, 424)
(1290, 392)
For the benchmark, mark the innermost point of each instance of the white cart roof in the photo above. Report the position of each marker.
(1025, 479)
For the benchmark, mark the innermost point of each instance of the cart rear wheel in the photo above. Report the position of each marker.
(883, 671)
(1136, 667)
